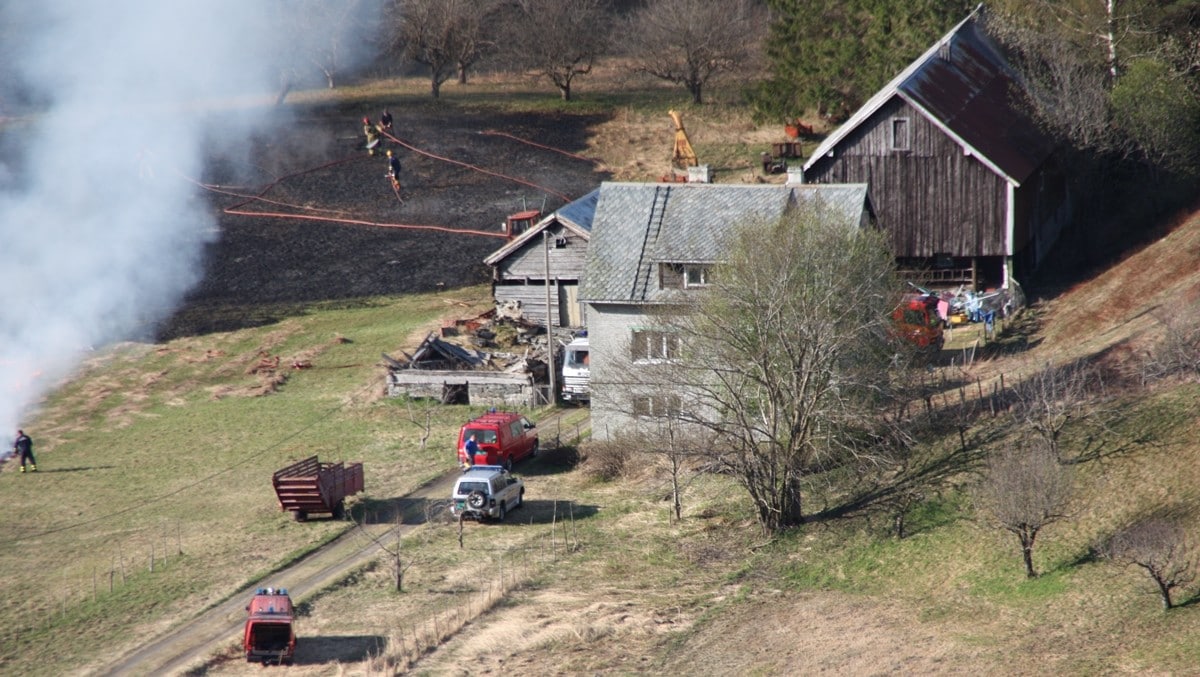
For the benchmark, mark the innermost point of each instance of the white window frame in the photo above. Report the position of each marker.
(703, 271)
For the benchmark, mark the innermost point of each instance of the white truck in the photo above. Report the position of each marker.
(575, 371)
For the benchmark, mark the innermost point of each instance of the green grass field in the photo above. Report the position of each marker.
(161, 456)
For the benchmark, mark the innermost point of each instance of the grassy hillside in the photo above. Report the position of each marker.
(154, 501)
(165, 453)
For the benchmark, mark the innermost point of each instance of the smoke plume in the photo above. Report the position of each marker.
(106, 110)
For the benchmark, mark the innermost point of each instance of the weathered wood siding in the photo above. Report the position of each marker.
(529, 261)
(532, 298)
(930, 197)
(670, 276)
(520, 276)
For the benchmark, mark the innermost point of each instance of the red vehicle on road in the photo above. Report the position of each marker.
(502, 438)
(269, 637)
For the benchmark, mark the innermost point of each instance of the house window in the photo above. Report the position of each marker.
(670, 276)
(695, 276)
(656, 406)
(684, 276)
(647, 345)
(900, 140)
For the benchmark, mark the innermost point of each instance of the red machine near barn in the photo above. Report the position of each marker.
(917, 321)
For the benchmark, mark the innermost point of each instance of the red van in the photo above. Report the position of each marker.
(268, 636)
(503, 438)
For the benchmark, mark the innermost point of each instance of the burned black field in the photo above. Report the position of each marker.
(316, 190)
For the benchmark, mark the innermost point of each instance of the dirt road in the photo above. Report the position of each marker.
(188, 646)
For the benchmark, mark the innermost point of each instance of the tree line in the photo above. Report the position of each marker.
(1117, 83)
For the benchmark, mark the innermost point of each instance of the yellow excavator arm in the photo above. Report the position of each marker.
(683, 156)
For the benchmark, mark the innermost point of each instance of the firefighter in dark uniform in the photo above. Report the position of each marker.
(394, 169)
(23, 448)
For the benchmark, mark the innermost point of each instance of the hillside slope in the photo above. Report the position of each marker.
(636, 593)
(716, 620)
(1120, 304)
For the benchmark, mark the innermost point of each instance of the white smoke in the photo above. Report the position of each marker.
(100, 231)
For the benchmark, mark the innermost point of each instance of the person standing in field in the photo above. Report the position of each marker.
(23, 448)
(394, 170)
(372, 133)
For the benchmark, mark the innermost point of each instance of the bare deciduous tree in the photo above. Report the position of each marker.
(1161, 549)
(442, 35)
(477, 31)
(674, 448)
(688, 42)
(326, 35)
(782, 359)
(1024, 490)
(1069, 93)
(392, 544)
(422, 418)
(331, 26)
(1052, 398)
(559, 39)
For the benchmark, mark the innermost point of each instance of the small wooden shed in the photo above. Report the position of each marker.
(552, 253)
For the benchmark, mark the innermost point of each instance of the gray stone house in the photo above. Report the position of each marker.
(651, 241)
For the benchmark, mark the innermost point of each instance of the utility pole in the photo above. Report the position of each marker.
(551, 399)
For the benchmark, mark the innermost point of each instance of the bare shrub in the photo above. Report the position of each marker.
(606, 461)
(1178, 353)
(1159, 547)
(1024, 490)
(900, 503)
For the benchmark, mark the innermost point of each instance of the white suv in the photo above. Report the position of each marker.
(486, 491)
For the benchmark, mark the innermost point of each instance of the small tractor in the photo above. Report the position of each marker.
(519, 222)
(916, 320)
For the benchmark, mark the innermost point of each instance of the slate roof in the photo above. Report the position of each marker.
(581, 212)
(965, 86)
(638, 225)
(576, 215)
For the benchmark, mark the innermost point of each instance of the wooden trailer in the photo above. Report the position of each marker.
(309, 486)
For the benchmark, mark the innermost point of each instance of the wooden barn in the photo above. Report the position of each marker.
(958, 172)
(552, 252)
